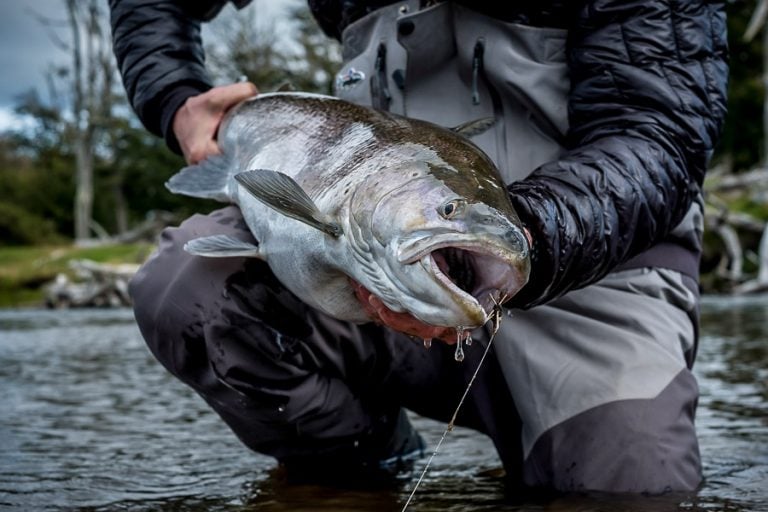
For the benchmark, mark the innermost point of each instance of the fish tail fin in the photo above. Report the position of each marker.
(208, 179)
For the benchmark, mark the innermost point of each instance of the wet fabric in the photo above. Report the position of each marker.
(608, 360)
(295, 384)
(289, 381)
(596, 348)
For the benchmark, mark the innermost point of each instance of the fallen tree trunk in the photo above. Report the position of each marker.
(98, 285)
(760, 283)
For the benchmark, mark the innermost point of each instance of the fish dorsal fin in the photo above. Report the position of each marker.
(222, 246)
(476, 127)
(281, 192)
(209, 179)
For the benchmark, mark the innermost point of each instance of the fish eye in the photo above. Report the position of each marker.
(451, 208)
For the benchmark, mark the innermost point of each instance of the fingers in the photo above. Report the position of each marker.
(408, 324)
(223, 98)
(197, 121)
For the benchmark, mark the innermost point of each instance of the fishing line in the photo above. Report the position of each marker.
(495, 318)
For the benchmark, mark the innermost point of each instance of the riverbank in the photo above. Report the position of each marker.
(25, 270)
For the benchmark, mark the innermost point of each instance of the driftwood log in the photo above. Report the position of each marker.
(731, 226)
(98, 285)
(148, 230)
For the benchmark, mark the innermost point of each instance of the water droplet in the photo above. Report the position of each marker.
(281, 408)
(427, 342)
(468, 341)
(459, 355)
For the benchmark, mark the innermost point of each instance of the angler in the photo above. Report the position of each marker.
(606, 112)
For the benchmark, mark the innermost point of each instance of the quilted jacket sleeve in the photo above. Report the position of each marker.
(648, 85)
(160, 56)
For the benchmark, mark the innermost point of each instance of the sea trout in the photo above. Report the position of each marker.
(357, 210)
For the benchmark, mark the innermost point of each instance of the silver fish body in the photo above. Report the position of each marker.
(339, 195)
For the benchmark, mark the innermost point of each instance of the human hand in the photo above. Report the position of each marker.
(197, 121)
(401, 322)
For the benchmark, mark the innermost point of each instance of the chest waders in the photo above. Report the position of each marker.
(591, 391)
(577, 366)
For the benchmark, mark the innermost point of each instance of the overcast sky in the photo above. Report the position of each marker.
(27, 50)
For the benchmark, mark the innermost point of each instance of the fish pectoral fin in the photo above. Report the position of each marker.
(281, 192)
(222, 246)
(476, 127)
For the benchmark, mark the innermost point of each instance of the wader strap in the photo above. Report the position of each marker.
(666, 255)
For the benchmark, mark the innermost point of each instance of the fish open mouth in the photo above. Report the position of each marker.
(476, 276)
(458, 266)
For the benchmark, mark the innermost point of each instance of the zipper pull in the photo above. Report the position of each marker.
(380, 89)
(477, 64)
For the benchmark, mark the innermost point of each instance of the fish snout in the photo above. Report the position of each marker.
(482, 218)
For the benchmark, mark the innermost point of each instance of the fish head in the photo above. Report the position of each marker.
(446, 243)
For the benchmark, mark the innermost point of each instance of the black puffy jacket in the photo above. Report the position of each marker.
(647, 102)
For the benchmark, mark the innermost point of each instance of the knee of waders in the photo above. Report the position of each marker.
(634, 445)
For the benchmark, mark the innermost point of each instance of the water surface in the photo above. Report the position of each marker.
(90, 422)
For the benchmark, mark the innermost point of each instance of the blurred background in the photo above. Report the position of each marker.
(89, 421)
(80, 179)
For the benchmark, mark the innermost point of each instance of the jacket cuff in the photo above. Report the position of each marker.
(170, 103)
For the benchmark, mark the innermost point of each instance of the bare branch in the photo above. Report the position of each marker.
(727, 182)
(734, 254)
(757, 21)
(760, 283)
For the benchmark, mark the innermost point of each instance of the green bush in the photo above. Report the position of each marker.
(20, 227)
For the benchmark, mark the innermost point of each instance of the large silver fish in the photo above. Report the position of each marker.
(351, 204)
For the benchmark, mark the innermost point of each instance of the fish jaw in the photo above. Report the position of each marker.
(469, 273)
(401, 321)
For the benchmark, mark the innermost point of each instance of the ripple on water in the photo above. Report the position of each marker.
(91, 422)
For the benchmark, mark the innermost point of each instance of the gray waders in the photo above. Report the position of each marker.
(592, 391)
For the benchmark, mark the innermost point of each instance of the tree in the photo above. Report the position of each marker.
(92, 81)
(756, 24)
(743, 127)
(271, 55)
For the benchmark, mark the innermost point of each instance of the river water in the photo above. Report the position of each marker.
(90, 422)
